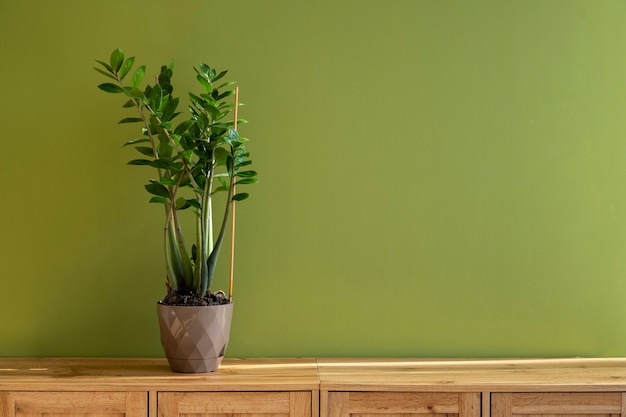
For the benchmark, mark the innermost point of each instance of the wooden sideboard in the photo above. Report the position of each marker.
(98, 387)
(147, 388)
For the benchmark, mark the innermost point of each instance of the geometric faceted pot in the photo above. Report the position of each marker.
(194, 338)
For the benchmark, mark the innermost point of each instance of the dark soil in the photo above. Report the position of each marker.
(188, 298)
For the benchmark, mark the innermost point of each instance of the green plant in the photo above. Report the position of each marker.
(203, 154)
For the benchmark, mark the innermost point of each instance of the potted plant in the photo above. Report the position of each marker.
(194, 159)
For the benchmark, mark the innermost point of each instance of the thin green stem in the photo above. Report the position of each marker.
(212, 260)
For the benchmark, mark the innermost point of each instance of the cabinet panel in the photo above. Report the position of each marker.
(235, 404)
(403, 404)
(73, 404)
(561, 404)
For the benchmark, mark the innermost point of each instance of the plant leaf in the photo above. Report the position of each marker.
(134, 141)
(205, 83)
(220, 75)
(186, 155)
(117, 57)
(105, 65)
(206, 70)
(138, 76)
(156, 98)
(146, 150)
(103, 72)
(169, 110)
(224, 95)
(247, 181)
(139, 162)
(135, 92)
(157, 189)
(247, 174)
(165, 164)
(182, 128)
(194, 203)
(161, 200)
(240, 196)
(219, 189)
(181, 203)
(111, 88)
(167, 181)
(239, 164)
(221, 155)
(130, 120)
(126, 66)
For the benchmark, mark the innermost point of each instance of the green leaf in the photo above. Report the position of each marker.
(167, 181)
(247, 181)
(194, 203)
(232, 138)
(135, 141)
(103, 72)
(117, 57)
(105, 65)
(247, 174)
(221, 155)
(139, 162)
(161, 200)
(239, 164)
(220, 75)
(206, 70)
(146, 150)
(130, 120)
(186, 155)
(205, 83)
(240, 196)
(224, 95)
(213, 111)
(138, 76)
(126, 66)
(165, 164)
(196, 101)
(169, 110)
(157, 189)
(156, 98)
(182, 128)
(135, 92)
(181, 203)
(222, 181)
(165, 148)
(240, 152)
(220, 189)
(111, 88)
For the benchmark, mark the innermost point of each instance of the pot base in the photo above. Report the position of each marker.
(194, 365)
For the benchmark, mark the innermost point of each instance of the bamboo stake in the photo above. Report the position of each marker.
(232, 223)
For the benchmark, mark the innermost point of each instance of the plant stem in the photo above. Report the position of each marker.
(212, 260)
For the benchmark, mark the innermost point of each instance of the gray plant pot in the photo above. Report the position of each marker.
(194, 338)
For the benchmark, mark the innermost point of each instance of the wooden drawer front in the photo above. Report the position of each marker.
(403, 404)
(558, 404)
(235, 404)
(73, 404)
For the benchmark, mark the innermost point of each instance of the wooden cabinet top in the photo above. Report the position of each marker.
(60, 374)
(473, 375)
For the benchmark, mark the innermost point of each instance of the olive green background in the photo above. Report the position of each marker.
(437, 178)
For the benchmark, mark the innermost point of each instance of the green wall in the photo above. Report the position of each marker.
(438, 178)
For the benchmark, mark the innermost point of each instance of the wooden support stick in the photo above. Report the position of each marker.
(232, 223)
